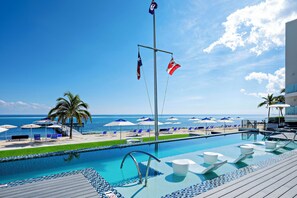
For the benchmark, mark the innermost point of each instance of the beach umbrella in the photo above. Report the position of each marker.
(7, 126)
(120, 123)
(44, 122)
(194, 119)
(279, 106)
(225, 120)
(30, 126)
(55, 126)
(172, 118)
(149, 122)
(206, 120)
(3, 130)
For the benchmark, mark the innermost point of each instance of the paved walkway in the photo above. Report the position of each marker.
(68, 186)
(278, 180)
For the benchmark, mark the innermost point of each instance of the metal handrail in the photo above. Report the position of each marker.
(137, 166)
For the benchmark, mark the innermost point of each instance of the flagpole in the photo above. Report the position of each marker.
(155, 80)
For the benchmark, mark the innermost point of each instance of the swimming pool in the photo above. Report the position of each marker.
(107, 164)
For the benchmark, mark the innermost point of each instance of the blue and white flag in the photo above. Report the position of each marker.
(139, 64)
(153, 6)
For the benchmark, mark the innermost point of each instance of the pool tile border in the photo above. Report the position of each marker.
(207, 185)
(96, 180)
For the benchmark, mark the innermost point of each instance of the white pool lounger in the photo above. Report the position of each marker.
(198, 169)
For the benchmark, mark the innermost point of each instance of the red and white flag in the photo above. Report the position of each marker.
(172, 66)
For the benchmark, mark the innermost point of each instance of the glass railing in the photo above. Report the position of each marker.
(291, 110)
(291, 88)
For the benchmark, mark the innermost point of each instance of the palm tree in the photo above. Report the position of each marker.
(70, 108)
(269, 100)
(280, 99)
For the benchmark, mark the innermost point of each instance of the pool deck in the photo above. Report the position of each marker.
(69, 186)
(278, 180)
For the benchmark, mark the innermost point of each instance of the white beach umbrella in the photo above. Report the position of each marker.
(225, 120)
(3, 130)
(279, 106)
(55, 126)
(172, 119)
(120, 123)
(194, 119)
(7, 126)
(149, 122)
(206, 120)
(30, 126)
(44, 122)
(238, 118)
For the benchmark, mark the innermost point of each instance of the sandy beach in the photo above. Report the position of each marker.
(96, 137)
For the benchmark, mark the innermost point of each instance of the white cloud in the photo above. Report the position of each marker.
(258, 95)
(274, 82)
(260, 27)
(20, 105)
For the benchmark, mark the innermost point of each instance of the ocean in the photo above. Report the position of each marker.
(98, 122)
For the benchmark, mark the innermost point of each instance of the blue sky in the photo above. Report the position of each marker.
(231, 53)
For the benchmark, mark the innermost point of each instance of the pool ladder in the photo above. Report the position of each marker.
(137, 166)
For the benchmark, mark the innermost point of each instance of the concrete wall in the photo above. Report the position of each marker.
(291, 71)
(291, 52)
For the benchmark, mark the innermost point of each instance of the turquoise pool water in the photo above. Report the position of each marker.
(107, 162)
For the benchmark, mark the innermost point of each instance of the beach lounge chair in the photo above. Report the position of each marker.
(148, 131)
(139, 133)
(48, 136)
(114, 134)
(59, 136)
(37, 137)
(54, 137)
(240, 158)
(103, 133)
(261, 146)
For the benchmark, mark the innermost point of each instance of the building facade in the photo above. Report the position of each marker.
(291, 71)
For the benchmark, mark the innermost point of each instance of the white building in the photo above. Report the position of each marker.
(291, 71)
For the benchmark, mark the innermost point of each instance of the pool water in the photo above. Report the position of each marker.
(107, 163)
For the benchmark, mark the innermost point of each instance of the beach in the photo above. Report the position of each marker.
(97, 137)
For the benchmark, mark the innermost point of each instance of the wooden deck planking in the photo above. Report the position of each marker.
(68, 186)
(291, 192)
(263, 182)
(278, 179)
(50, 184)
(234, 184)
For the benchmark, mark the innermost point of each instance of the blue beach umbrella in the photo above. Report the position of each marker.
(149, 122)
(142, 118)
(206, 120)
(120, 123)
(224, 120)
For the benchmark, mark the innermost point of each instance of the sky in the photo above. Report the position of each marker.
(231, 53)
